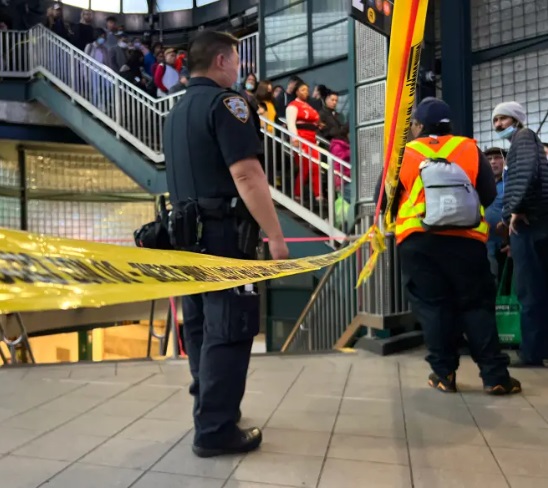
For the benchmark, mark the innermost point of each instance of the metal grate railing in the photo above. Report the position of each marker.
(287, 155)
(336, 300)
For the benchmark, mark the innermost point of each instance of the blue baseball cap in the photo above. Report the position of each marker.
(432, 111)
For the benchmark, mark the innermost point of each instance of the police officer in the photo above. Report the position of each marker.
(221, 197)
(446, 273)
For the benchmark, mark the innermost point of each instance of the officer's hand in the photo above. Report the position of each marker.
(278, 248)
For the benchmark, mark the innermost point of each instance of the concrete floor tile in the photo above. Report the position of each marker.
(166, 480)
(286, 469)
(11, 438)
(523, 462)
(95, 424)
(373, 449)
(297, 402)
(295, 442)
(126, 408)
(249, 484)
(60, 446)
(22, 472)
(517, 438)
(476, 459)
(437, 478)
(494, 417)
(181, 460)
(360, 474)
(527, 482)
(169, 431)
(89, 476)
(127, 453)
(288, 420)
(371, 425)
(41, 420)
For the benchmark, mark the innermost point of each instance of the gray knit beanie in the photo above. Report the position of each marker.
(511, 109)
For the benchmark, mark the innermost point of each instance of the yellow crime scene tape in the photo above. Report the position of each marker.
(408, 22)
(47, 273)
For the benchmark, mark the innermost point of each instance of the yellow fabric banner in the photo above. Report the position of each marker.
(408, 24)
(47, 273)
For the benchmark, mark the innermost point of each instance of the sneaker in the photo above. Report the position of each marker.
(446, 385)
(511, 387)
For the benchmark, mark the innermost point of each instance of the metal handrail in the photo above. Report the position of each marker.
(325, 174)
(129, 111)
(313, 299)
(135, 116)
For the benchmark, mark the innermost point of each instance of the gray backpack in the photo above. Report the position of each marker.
(451, 200)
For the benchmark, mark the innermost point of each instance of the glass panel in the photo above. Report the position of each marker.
(287, 56)
(330, 42)
(135, 6)
(77, 3)
(106, 5)
(285, 24)
(201, 3)
(171, 5)
(273, 5)
(328, 11)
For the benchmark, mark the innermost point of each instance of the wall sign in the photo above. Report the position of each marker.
(376, 14)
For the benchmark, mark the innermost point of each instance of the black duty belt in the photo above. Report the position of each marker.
(221, 208)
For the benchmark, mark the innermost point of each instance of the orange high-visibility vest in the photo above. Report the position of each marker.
(412, 207)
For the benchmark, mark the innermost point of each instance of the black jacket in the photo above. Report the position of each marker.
(84, 34)
(526, 182)
(333, 123)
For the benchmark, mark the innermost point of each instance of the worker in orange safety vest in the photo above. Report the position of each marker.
(440, 229)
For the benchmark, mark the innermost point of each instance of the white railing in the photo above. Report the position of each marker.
(249, 56)
(130, 112)
(138, 118)
(307, 179)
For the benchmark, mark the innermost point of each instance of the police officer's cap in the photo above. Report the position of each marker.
(432, 111)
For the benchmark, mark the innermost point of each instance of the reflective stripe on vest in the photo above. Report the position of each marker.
(410, 212)
(427, 151)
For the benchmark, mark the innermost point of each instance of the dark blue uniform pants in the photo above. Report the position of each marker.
(218, 347)
(530, 253)
(452, 292)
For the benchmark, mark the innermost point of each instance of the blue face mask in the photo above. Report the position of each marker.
(250, 86)
(101, 40)
(507, 133)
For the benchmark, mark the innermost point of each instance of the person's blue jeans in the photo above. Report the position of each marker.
(530, 253)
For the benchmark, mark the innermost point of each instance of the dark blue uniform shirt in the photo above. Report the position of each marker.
(207, 131)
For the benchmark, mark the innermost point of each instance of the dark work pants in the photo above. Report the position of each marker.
(217, 347)
(452, 292)
(530, 253)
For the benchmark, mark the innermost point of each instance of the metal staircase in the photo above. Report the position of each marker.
(126, 124)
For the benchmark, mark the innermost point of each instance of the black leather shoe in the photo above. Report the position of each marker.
(247, 440)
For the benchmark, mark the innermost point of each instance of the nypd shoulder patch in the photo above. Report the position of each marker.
(238, 107)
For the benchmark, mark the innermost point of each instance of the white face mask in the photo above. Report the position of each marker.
(122, 44)
(507, 133)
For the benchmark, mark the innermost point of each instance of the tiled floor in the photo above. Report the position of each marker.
(330, 421)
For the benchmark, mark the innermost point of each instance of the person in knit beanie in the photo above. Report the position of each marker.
(525, 215)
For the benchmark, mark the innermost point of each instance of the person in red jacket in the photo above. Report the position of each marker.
(165, 75)
(304, 120)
